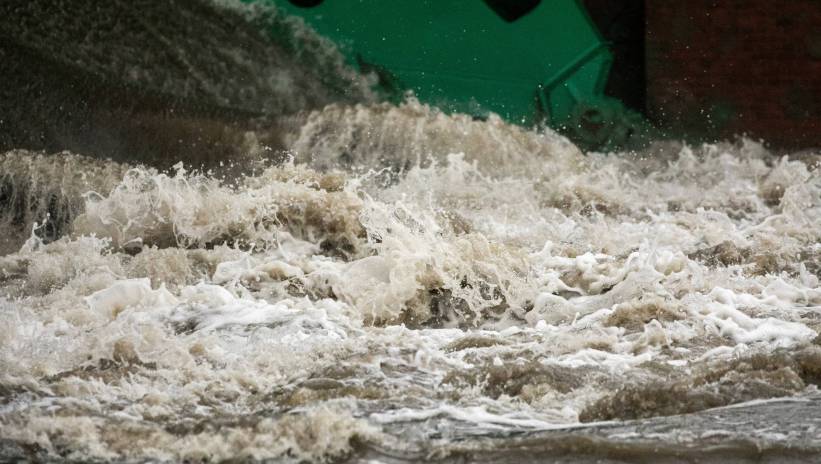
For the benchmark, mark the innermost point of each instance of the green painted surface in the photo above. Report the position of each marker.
(461, 56)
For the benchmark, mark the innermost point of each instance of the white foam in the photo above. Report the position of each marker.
(350, 300)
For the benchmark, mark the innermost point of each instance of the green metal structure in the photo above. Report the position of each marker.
(530, 61)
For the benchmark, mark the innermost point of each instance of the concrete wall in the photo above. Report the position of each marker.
(718, 68)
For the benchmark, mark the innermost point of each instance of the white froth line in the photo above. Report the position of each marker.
(474, 414)
(789, 399)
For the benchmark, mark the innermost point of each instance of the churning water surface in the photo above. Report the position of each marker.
(410, 285)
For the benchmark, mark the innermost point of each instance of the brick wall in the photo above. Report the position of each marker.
(718, 68)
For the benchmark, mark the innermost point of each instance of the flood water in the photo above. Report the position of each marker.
(403, 285)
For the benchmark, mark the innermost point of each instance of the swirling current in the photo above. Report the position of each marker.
(398, 284)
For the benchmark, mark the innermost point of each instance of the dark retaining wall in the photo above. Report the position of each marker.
(718, 68)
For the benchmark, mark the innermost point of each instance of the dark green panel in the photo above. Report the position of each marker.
(461, 55)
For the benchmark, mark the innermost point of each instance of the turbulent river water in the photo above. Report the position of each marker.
(410, 285)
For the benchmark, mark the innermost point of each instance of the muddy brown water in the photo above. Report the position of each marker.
(354, 281)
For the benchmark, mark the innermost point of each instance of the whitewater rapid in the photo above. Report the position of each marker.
(408, 280)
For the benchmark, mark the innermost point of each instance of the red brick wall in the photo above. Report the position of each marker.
(719, 68)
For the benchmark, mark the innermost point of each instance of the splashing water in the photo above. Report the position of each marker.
(411, 283)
